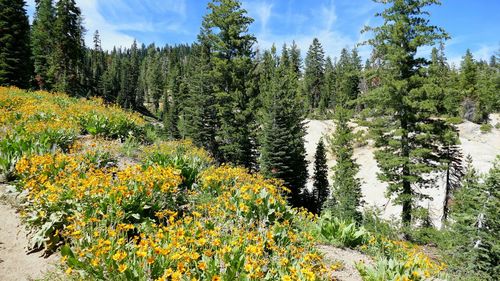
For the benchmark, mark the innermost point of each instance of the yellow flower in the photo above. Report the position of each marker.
(69, 270)
(120, 255)
(202, 265)
(122, 268)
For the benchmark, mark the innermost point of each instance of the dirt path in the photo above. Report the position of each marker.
(348, 258)
(15, 263)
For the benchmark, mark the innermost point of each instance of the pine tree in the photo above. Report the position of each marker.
(314, 73)
(42, 42)
(320, 177)
(15, 62)
(282, 136)
(67, 56)
(231, 55)
(407, 132)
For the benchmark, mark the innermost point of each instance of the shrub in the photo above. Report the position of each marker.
(486, 128)
(398, 260)
(182, 155)
(341, 232)
(455, 120)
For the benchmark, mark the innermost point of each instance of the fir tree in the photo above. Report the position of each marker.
(314, 73)
(407, 132)
(282, 136)
(320, 177)
(67, 57)
(231, 55)
(15, 62)
(42, 42)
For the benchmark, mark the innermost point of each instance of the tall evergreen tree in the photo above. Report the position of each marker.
(346, 188)
(314, 73)
(42, 42)
(231, 55)
(282, 136)
(15, 62)
(320, 177)
(67, 56)
(407, 132)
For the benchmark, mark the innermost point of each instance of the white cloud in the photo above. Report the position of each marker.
(261, 11)
(321, 27)
(110, 33)
(134, 16)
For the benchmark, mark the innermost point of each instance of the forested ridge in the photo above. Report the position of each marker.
(249, 107)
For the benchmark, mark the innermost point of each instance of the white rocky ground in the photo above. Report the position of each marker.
(482, 147)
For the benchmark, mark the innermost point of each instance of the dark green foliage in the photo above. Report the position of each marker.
(282, 136)
(231, 54)
(129, 79)
(327, 99)
(314, 74)
(96, 66)
(66, 61)
(320, 185)
(476, 225)
(346, 187)
(42, 42)
(15, 62)
(201, 120)
(408, 135)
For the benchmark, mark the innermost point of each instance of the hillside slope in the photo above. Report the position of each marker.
(483, 149)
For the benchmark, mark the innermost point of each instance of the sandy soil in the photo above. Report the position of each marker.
(482, 147)
(348, 258)
(15, 262)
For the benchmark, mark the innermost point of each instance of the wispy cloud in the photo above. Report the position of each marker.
(309, 23)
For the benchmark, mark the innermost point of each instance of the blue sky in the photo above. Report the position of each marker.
(471, 24)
